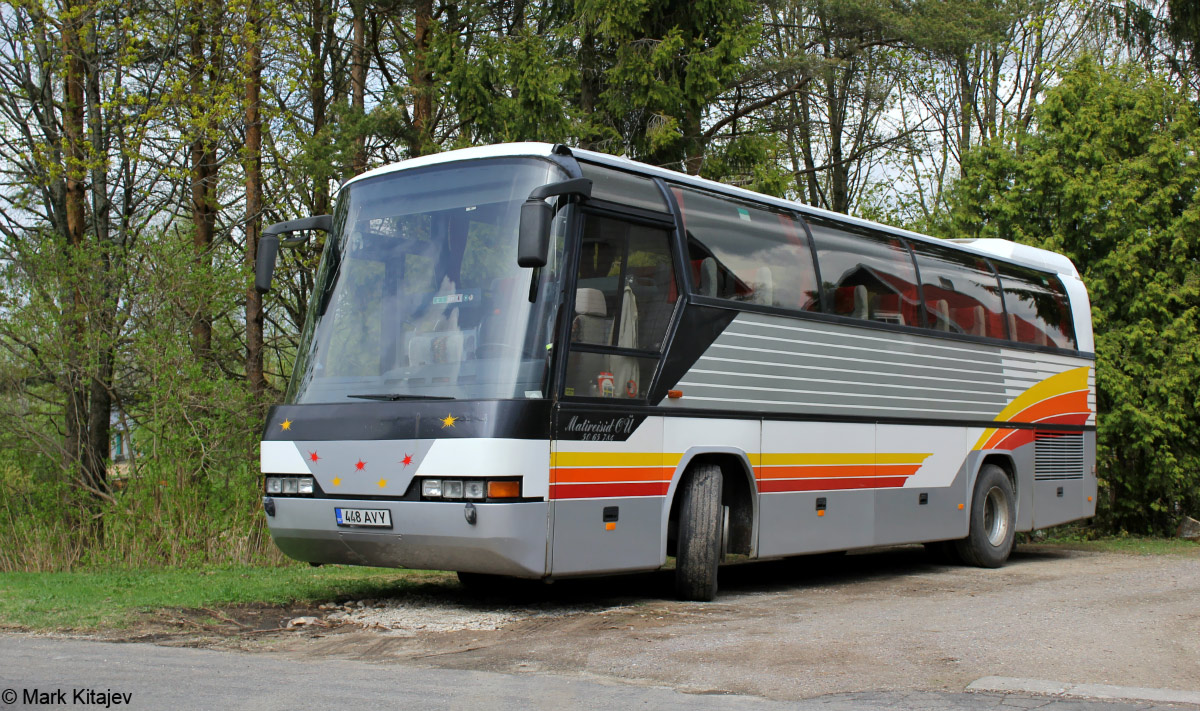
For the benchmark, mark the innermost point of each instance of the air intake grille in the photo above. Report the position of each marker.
(1057, 455)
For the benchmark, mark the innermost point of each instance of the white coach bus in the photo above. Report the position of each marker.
(534, 361)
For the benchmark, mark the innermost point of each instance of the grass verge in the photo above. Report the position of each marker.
(1131, 545)
(94, 600)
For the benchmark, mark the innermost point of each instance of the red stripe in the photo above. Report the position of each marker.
(601, 491)
(1014, 439)
(768, 486)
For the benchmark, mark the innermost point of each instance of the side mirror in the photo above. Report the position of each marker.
(268, 245)
(537, 215)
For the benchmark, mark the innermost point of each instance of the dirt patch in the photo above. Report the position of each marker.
(877, 620)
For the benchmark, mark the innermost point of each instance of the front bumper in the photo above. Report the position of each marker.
(506, 539)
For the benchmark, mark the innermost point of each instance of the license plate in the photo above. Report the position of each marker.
(368, 518)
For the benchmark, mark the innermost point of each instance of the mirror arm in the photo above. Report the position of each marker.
(579, 187)
(536, 216)
(270, 242)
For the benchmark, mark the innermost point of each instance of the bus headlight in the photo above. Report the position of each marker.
(474, 490)
(431, 487)
(302, 485)
(452, 488)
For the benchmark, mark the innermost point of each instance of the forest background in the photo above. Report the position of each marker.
(145, 143)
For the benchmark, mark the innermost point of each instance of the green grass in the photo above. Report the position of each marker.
(1132, 545)
(114, 599)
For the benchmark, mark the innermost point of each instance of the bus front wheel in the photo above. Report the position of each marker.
(698, 552)
(993, 520)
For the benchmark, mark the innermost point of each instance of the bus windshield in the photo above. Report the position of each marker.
(419, 295)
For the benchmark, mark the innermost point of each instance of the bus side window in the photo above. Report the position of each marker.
(1038, 311)
(962, 294)
(747, 252)
(866, 275)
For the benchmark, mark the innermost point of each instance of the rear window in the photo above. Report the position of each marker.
(1038, 310)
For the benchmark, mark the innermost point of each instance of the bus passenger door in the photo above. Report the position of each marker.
(608, 481)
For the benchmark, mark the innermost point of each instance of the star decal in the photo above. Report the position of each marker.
(313, 456)
(382, 483)
(285, 425)
(407, 460)
(360, 465)
(337, 481)
(449, 420)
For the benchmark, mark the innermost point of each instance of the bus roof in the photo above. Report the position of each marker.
(992, 247)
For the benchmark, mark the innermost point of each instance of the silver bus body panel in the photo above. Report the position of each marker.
(506, 539)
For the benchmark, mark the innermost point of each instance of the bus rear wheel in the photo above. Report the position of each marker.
(698, 552)
(993, 520)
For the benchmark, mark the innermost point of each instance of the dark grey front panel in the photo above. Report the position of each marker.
(584, 544)
(792, 524)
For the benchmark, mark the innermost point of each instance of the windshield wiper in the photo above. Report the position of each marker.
(398, 396)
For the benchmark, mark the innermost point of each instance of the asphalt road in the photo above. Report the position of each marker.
(182, 678)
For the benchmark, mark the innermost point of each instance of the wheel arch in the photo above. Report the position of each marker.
(739, 493)
(1006, 463)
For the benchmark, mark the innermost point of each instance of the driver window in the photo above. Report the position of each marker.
(625, 295)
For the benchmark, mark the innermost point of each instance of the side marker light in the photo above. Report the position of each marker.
(821, 512)
(610, 526)
(960, 507)
(674, 394)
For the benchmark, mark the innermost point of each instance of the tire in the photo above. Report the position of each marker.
(993, 520)
(698, 551)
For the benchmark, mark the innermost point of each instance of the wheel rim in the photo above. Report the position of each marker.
(995, 516)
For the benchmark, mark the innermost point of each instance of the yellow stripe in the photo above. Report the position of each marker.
(652, 459)
(614, 459)
(836, 458)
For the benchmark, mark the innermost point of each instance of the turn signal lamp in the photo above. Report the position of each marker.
(503, 489)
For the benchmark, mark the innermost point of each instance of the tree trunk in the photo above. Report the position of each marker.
(75, 324)
(421, 80)
(358, 84)
(102, 319)
(317, 97)
(966, 96)
(203, 161)
(253, 169)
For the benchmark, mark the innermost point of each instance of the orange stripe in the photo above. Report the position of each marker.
(816, 471)
(836, 471)
(997, 438)
(601, 474)
(1057, 405)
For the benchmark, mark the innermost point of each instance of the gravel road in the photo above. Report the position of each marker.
(882, 620)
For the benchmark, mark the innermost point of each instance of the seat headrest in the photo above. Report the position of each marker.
(590, 302)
